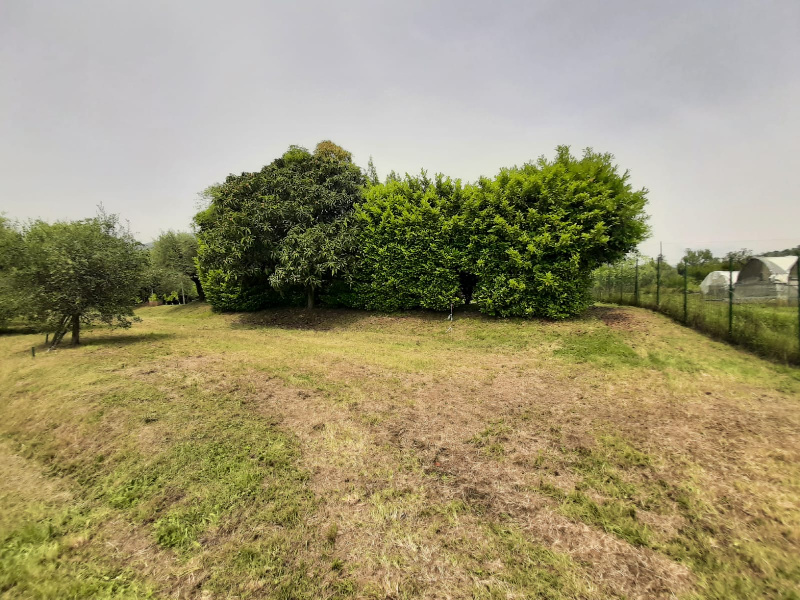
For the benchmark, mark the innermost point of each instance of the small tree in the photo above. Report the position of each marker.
(177, 251)
(80, 272)
(162, 282)
(372, 173)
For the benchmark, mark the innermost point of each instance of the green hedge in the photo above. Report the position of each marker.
(522, 244)
(407, 256)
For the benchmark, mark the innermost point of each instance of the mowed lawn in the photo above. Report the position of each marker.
(338, 454)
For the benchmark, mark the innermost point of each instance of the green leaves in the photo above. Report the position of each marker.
(89, 269)
(536, 233)
(525, 242)
(284, 228)
(408, 252)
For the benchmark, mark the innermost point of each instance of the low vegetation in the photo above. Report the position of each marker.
(768, 327)
(336, 454)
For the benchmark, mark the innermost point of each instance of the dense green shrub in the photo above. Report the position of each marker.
(229, 294)
(283, 228)
(522, 244)
(407, 253)
(536, 233)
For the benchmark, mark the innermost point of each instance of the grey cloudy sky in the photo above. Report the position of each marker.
(140, 105)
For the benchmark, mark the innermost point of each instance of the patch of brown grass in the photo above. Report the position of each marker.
(421, 444)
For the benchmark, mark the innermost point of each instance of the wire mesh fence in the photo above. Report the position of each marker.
(764, 319)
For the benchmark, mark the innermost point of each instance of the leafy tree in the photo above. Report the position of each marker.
(739, 258)
(177, 251)
(283, 228)
(162, 282)
(702, 262)
(537, 232)
(408, 256)
(698, 258)
(609, 279)
(699, 263)
(372, 173)
(10, 257)
(80, 272)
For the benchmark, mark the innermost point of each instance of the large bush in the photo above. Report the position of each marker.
(407, 252)
(282, 229)
(522, 244)
(536, 233)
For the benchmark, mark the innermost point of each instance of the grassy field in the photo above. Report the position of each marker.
(337, 454)
(769, 328)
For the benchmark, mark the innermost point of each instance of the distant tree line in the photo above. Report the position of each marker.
(785, 252)
(312, 227)
(699, 263)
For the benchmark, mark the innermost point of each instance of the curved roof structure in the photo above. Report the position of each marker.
(768, 278)
(717, 282)
(768, 268)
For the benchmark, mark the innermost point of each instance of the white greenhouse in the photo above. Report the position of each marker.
(717, 283)
(767, 278)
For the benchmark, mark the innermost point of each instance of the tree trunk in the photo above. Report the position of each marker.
(59, 333)
(76, 330)
(201, 295)
(310, 296)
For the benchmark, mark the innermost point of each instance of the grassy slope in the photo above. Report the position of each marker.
(352, 455)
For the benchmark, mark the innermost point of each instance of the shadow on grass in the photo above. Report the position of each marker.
(18, 330)
(327, 319)
(88, 339)
(124, 339)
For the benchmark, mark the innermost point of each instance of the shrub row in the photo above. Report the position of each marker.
(310, 226)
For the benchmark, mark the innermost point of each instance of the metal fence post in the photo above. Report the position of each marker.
(730, 296)
(685, 292)
(636, 285)
(658, 282)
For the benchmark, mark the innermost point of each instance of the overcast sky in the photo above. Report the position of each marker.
(140, 105)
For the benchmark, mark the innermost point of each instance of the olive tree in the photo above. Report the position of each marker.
(80, 272)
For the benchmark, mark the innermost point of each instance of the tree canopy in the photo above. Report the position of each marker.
(700, 263)
(10, 249)
(536, 232)
(408, 255)
(79, 272)
(283, 228)
(522, 244)
(176, 252)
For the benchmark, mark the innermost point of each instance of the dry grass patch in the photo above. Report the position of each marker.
(335, 454)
